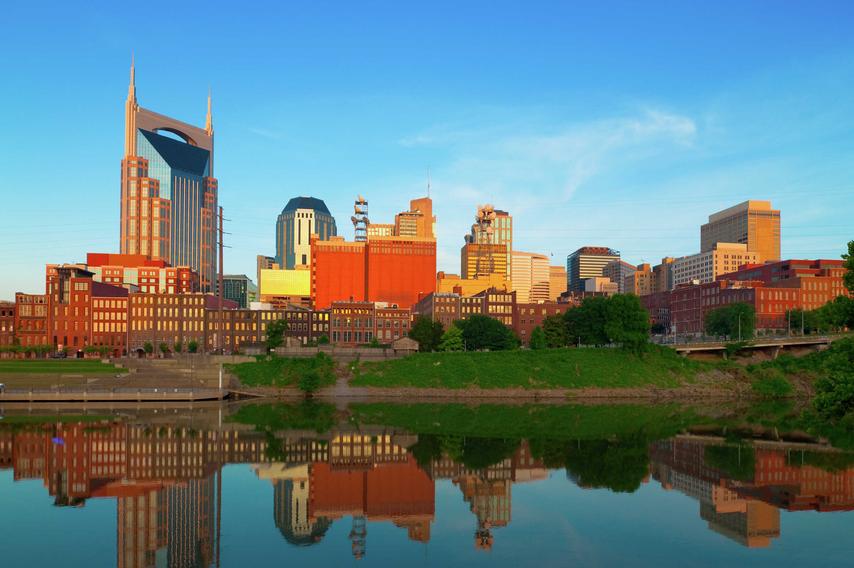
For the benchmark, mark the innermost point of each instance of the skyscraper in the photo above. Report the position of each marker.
(530, 277)
(168, 192)
(753, 223)
(587, 262)
(301, 218)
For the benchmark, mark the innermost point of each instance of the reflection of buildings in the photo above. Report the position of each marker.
(488, 490)
(165, 480)
(746, 510)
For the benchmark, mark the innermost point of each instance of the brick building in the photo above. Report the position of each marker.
(397, 270)
(141, 273)
(246, 327)
(658, 306)
(444, 307)
(31, 319)
(528, 316)
(7, 323)
(359, 323)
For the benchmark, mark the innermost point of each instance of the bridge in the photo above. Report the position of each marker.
(772, 345)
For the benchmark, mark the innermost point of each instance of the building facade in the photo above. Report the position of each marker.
(499, 233)
(587, 262)
(444, 307)
(617, 271)
(641, 282)
(31, 319)
(752, 223)
(7, 323)
(527, 316)
(530, 277)
(301, 218)
(240, 289)
(706, 266)
(139, 273)
(557, 282)
(663, 275)
(169, 194)
(360, 323)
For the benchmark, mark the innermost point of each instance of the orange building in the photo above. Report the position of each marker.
(398, 270)
(149, 276)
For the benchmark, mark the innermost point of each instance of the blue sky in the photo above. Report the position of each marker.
(605, 123)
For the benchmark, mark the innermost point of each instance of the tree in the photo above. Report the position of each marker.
(276, 333)
(538, 339)
(452, 340)
(838, 313)
(164, 348)
(848, 278)
(148, 348)
(178, 347)
(834, 398)
(323, 340)
(554, 330)
(483, 332)
(627, 322)
(427, 333)
(811, 321)
(735, 321)
(586, 323)
(309, 382)
(193, 346)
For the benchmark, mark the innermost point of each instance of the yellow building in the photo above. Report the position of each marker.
(450, 283)
(752, 223)
(284, 283)
(483, 260)
(557, 282)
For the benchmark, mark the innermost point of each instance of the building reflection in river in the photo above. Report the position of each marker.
(167, 482)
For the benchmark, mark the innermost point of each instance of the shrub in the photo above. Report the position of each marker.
(452, 340)
(276, 333)
(309, 382)
(771, 383)
(148, 347)
(538, 339)
(193, 346)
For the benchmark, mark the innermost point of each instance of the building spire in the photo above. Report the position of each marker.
(132, 85)
(209, 119)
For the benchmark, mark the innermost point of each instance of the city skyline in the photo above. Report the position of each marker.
(580, 147)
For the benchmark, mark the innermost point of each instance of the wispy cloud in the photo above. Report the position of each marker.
(265, 133)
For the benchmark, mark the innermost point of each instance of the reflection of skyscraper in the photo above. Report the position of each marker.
(174, 526)
(290, 508)
(169, 194)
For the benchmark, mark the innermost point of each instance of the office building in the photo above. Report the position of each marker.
(707, 266)
(492, 227)
(139, 273)
(600, 285)
(587, 262)
(240, 289)
(283, 287)
(641, 282)
(454, 283)
(752, 223)
(617, 271)
(557, 282)
(263, 262)
(419, 221)
(169, 194)
(301, 218)
(483, 260)
(530, 277)
(663, 275)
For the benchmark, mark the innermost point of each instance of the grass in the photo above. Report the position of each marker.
(57, 366)
(771, 383)
(547, 368)
(284, 371)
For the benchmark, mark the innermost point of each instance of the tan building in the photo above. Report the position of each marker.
(380, 230)
(752, 223)
(601, 285)
(663, 275)
(454, 283)
(529, 276)
(641, 282)
(500, 232)
(557, 282)
(707, 266)
(417, 222)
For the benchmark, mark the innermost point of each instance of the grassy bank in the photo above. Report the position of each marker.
(57, 366)
(547, 368)
(283, 371)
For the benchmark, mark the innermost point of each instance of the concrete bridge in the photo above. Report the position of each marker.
(773, 346)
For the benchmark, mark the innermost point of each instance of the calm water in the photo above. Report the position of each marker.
(322, 487)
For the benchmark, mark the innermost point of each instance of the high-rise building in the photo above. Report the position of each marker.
(707, 266)
(617, 271)
(752, 223)
(663, 275)
(641, 282)
(169, 193)
(240, 289)
(419, 221)
(587, 262)
(484, 259)
(301, 218)
(530, 277)
(557, 282)
(498, 231)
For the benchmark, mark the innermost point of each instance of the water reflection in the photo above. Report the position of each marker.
(166, 479)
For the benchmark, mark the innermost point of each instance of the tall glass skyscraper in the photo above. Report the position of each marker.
(169, 195)
(301, 217)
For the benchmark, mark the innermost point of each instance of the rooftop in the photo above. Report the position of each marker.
(302, 202)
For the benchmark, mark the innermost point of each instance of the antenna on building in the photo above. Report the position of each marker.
(484, 232)
(360, 219)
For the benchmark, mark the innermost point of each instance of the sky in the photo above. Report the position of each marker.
(621, 124)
